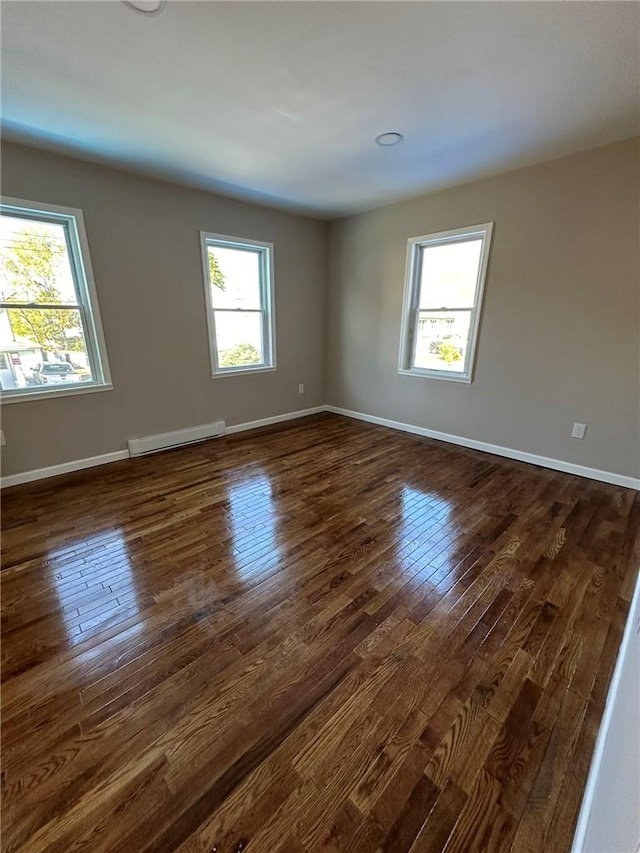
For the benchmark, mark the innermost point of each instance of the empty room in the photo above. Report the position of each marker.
(320, 426)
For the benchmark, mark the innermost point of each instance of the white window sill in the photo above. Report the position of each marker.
(242, 371)
(30, 395)
(435, 374)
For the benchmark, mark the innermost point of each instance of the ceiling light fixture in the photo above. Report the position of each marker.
(146, 7)
(390, 138)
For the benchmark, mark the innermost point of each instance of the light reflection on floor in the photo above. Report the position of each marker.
(423, 532)
(253, 520)
(95, 585)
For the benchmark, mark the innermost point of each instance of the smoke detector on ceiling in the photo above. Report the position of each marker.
(392, 137)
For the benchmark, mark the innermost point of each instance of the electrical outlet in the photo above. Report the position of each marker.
(578, 430)
(301, 388)
(2, 438)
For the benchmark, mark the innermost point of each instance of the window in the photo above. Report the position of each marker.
(238, 278)
(51, 339)
(442, 302)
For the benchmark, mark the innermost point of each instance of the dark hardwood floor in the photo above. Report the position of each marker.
(321, 636)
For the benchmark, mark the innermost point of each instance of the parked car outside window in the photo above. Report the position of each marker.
(55, 373)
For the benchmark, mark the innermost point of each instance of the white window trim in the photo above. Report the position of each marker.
(267, 298)
(407, 334)
(67, 391)
(83, 272)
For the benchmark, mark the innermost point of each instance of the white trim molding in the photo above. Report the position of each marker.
(60, 391)
(276, 419)
(86, 296)
(411, 301)
(609, 812)
(105, 458)
(64, 468)
(265, 252)
(496, 449)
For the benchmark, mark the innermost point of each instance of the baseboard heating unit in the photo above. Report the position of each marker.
(177, 438)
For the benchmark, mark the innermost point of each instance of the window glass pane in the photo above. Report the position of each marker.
(441, 340)
(239, 338)
(235, 278)
(449, 275)
(34, 262)
(43, 347)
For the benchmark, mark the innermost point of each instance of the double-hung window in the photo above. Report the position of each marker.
(238, 277)
(51, 340)
(442, 302)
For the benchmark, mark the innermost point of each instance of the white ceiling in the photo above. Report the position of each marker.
(280, 101)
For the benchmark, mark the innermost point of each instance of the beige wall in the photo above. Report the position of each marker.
(559, 336)
(144, 241)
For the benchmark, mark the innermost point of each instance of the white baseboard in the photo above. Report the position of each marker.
(509, 453)
(498, 450)
(611, 793)
(64, 468)
(276, 419)
(93, 461)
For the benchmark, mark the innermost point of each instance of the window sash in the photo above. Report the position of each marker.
(266, 310)
(414, 338)
(408, 334)
(444, 310)
(42, 306)
(81, 310)
(68, 222)
(239, 310)
(82, 277)
(263, 337)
